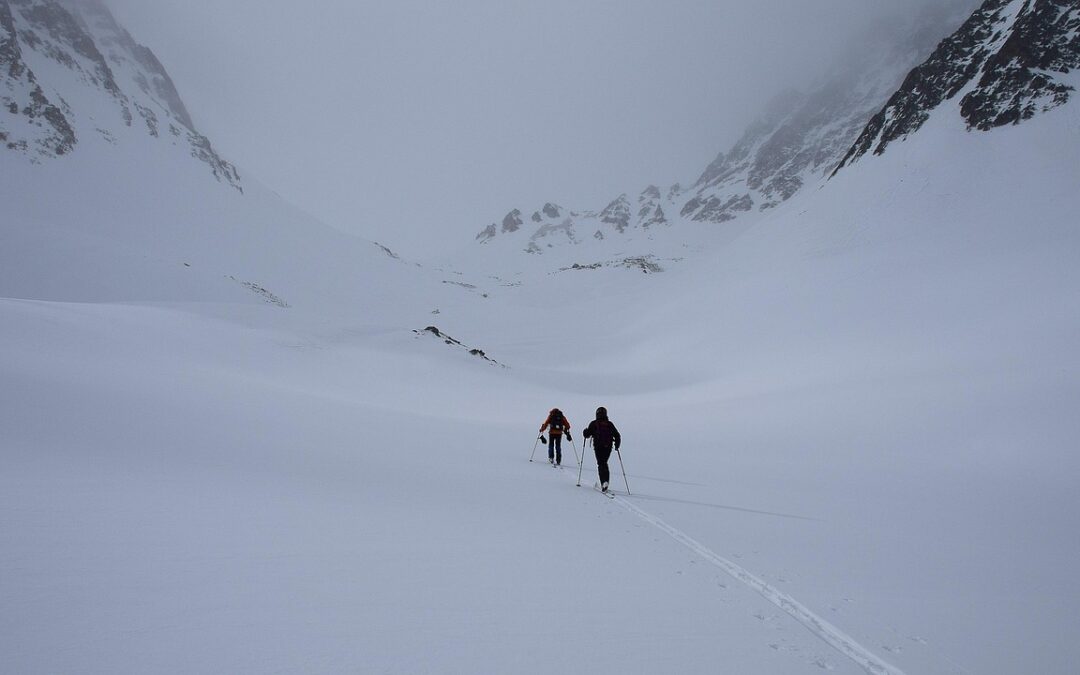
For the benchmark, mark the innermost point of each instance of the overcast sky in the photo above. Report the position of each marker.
(418, 123)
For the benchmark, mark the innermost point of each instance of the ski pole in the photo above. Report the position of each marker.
(576, 455)
(581, 464)
(534, 448)
(623, 471)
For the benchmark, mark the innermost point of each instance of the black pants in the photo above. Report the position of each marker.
(602, 456)
(555, 448)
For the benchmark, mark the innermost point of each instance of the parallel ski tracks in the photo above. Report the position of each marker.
(827, 632)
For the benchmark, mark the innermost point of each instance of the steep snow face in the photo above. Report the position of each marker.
(1009, 61)
(68, 72)
(798, 140)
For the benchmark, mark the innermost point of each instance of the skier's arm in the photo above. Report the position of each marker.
(588, 431)
(615, 435)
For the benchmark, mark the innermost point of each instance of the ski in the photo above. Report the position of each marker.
(608, 494)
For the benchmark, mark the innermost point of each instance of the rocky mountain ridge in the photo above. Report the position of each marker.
(803, 137)
(1007, 60)
(68, 71)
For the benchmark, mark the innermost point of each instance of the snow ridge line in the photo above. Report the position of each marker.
(830, 634)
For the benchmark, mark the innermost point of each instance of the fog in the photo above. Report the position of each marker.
(418, 123)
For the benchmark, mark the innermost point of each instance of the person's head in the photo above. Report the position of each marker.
(601, 413)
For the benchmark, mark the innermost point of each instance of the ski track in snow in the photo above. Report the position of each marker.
(830, 634)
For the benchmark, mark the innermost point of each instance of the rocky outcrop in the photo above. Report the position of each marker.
(650, 208)
(1021, 78)
(46, 129)
(1008, 55)
(617, 213)
(512, 221)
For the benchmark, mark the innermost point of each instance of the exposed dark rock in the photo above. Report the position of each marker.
(657, 217)
(462, 284)
(453, 342)
(10, 53)
(487, 233)
(566, 228)
(552, 210)
(260, 291)
(1018, 81)
(714, 210)
(58, 137)
(387, 251)
(150, 118)
(222, 170)
(512, 221)
(646, 263)
(66, 28)
(617, 213)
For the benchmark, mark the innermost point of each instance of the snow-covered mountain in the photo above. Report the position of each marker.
(110, 193)
(1011, 60)
(57, 55)
(798, 140)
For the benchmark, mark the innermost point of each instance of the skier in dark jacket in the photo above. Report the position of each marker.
(556, 424)
(604, 434)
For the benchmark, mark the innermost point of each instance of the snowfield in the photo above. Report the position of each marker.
(850, 431)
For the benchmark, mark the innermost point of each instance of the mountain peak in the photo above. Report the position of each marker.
(113, 82)
(1007, 57)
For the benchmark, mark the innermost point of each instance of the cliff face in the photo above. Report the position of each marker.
(69, 71)
(1007, 60)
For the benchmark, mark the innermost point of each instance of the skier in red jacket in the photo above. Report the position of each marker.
(556, 424)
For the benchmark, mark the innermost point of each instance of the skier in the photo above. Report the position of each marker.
(603, 433)
(556, 423)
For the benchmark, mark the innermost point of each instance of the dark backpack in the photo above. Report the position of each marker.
(556, 420)
(602, 434)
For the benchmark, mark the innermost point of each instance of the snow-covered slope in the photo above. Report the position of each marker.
(849, 430)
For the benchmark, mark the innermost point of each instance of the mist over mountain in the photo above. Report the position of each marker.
(798, 140)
